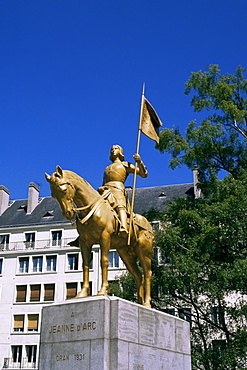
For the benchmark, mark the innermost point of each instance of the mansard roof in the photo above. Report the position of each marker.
(158, 197)
(48, 212)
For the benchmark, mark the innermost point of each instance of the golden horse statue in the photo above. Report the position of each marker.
(97, 223)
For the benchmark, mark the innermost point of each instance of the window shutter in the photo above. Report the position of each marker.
(33, 321)
(49, 292)
(21, 292)
(35, 293)
(18, 321)
(71, 290)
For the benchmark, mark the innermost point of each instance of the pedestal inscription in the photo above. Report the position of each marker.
(109, 333)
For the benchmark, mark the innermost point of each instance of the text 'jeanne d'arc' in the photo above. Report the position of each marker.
(65, 328)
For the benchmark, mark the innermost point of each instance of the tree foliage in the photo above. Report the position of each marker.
(206, 240)
(218, 142)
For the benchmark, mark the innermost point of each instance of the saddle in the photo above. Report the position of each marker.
(137, 219)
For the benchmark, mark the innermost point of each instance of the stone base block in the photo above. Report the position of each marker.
(109, 333)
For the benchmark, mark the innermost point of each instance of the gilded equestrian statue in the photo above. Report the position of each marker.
(99, 223)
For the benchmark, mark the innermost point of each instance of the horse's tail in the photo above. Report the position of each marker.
(142, 222)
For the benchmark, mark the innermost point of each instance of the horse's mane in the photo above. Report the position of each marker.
(74, 178)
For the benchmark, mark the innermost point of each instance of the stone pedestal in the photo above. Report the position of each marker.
(109, 333)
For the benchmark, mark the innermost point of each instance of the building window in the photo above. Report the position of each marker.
(57, 238)
(16, 354)
(113, 259)
(49, 292)
(31, 357)
(185, 314)
(71, 290)
(155, 225)
(4, 242)
(21, 293)
(37, 264)
(23, 264)
(51, 263)
(33, 322)
(170, 311)
(19, 323)
(35, 293)
(1, 266)
(91, 261)
(30, 240)
(217, 315)
(73, 261)
(218, 347)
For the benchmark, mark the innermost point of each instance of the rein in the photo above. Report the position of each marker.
(95, 207)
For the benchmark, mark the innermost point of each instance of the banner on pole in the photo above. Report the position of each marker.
(150, 122)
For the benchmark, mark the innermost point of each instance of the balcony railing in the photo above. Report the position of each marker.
(38, 244)
(9, 363)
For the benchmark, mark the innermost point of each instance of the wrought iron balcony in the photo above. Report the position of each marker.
(38, 244)
(24, 363)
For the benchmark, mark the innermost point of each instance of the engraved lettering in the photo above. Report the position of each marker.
(79, 357)
(62, 357)
(56, 329)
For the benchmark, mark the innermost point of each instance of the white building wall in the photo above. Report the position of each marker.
(11, 277)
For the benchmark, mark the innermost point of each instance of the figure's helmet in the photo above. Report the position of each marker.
(121, 153)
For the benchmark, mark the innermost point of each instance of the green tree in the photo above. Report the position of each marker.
(206, 239)
(218, 142)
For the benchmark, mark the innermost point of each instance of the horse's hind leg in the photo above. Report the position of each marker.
(130, 263)
(146, 265)
(145, 255)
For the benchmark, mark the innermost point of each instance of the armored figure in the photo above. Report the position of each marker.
(114, 178)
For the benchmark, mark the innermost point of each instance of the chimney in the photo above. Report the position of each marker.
(197, 191)
(4, 199)
(33, 197)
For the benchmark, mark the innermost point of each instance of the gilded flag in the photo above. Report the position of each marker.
(150, 122)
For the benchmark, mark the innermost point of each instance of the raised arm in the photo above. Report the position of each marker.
(141, 168)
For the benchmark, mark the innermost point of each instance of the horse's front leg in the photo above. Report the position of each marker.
(86, 259)
(105, 241)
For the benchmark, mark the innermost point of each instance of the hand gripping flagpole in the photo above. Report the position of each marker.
(135, 172)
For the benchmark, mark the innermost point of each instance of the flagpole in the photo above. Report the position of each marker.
(135, 172)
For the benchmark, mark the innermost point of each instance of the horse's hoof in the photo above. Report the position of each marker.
(147, 305)
(102, 292)
(82, 294)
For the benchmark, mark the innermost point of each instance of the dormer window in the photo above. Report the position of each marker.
(22, 207)
(162, 195)
(48, 214)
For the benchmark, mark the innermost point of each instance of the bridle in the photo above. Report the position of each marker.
(94, 205)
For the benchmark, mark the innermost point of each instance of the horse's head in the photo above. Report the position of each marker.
(63, 191)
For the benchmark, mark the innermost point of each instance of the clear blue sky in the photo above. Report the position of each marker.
(71, 75)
